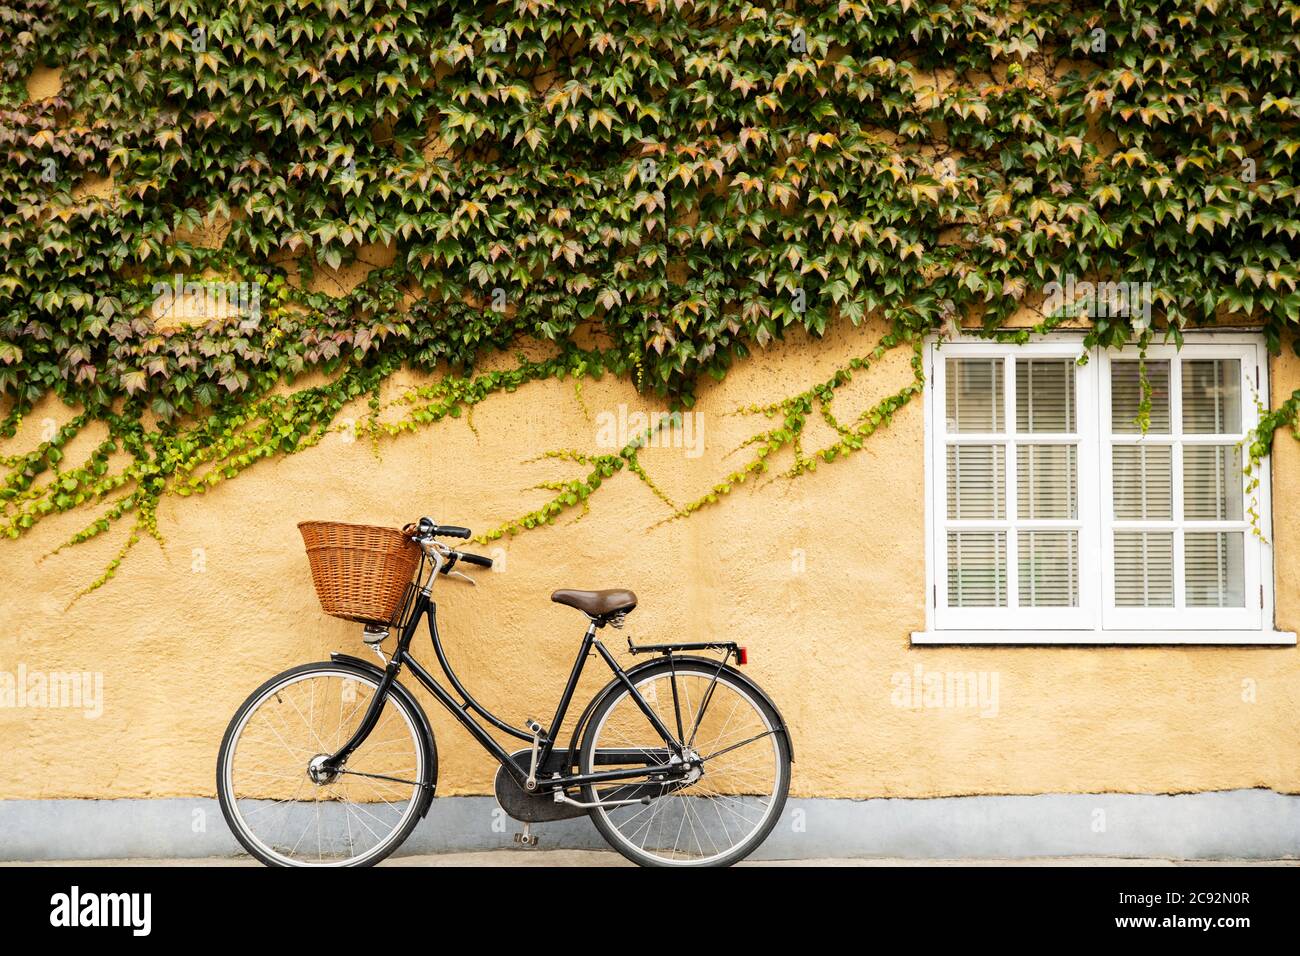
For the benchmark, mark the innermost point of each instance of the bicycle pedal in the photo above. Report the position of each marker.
(526, 839)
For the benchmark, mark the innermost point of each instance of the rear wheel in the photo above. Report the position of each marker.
(722, 811)
(284, 807)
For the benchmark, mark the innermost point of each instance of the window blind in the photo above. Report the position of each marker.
(1043, 441)
(1186, 469)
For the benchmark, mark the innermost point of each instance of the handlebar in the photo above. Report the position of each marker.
(426, 529)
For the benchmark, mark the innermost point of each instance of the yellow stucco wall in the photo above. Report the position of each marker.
(180, 647)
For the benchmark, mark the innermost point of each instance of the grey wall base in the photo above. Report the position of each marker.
(1230, 824)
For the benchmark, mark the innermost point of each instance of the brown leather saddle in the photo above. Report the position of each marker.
(599, 604)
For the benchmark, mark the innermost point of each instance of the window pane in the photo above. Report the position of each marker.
(1212, 396)
(1216, 574)
(1143, 482)
(1049, 568)
(1212, 483)
(1144, 569)
(1045, 395)
(977, 476)
(1047, 481)
(1126, 396)
(977, 569)
(975, 398)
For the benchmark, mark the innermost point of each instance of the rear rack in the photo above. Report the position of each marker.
(729, 646)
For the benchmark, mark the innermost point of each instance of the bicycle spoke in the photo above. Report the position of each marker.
(349, 817)
(738, 778)
(747, 740)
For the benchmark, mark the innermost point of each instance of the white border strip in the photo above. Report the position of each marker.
(1215, 825)
(1102, 638)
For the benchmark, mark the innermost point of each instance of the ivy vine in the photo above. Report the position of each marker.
(680, 183)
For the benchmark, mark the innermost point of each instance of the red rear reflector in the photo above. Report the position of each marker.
(742, 655)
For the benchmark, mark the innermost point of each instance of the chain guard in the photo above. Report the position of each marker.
(538, 807)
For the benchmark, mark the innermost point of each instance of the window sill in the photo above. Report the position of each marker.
(1103, 638)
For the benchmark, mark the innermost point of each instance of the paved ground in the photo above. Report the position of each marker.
(602, 858)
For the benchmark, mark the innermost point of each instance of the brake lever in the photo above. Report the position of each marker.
(462, 576)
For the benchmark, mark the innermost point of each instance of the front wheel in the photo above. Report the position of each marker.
(720, 812)
(286, 807)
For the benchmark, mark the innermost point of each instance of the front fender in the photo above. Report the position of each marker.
(431, 746)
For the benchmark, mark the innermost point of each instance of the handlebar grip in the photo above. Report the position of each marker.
(478, 559)
(451, 531)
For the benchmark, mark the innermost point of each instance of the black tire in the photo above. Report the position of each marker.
(705, 669)
(412, 713)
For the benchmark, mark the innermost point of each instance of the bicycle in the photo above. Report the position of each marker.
(683, 760)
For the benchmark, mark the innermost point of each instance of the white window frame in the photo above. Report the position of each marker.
(1082, 617)
(1246, 618)
(1096, 620)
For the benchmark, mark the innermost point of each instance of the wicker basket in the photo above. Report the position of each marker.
(360, 571)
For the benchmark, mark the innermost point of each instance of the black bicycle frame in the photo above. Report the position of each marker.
(464, 709)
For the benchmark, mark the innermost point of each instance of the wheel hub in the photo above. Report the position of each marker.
(696, 765)
(319, 771)
(691, 763)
